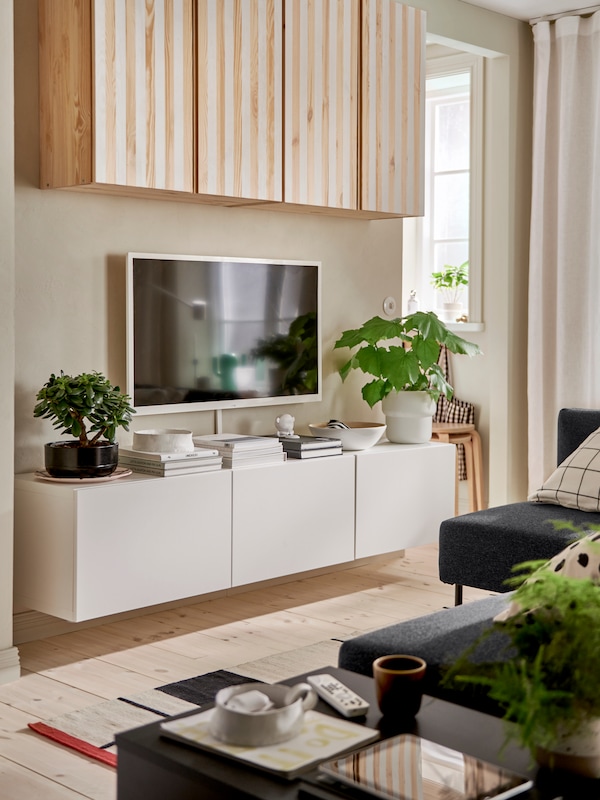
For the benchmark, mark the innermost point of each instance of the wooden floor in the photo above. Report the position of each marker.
(82, 668)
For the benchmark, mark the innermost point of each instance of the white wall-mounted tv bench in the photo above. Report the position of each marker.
(88, 551)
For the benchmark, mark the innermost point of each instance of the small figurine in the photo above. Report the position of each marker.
(285, 425)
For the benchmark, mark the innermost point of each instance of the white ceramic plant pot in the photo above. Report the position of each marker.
(408, 417)
(578, 753)
(452, 311)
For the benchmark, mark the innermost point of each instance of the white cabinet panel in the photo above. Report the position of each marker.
(403, 492)
(89, 552)
(83, 551)
(292, 517)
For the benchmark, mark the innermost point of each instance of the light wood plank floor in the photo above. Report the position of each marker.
(305, 618)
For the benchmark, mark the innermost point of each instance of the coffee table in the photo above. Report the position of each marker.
(153, 768)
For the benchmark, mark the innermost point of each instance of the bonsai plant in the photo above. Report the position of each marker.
(90, 409)
(405, 372)
(545, 680)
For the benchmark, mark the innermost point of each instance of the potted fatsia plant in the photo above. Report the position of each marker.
(546, 680)
(401, 355)
(88, 408)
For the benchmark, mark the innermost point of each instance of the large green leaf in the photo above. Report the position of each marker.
(414, 368)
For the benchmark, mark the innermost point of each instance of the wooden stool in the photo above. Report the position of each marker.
(464, 433)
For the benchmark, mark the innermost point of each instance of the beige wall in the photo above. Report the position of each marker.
(71, 251)
(70, 257)
(9, 663)
(496, 381)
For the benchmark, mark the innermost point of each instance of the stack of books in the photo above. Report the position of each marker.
(310, 446)
(167, 465)
(238, 450)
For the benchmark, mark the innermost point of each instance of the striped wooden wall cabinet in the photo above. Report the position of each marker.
(240, 119)
(117, 93)
(392, 103)
(295, 105)
(321, 102)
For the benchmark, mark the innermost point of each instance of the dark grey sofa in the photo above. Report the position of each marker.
(439, 638)
(480, 549)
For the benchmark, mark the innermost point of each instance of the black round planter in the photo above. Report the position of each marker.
(70, 460)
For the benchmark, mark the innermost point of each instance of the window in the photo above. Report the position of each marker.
(450, 231)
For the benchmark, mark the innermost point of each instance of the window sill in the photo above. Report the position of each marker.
(468, 327)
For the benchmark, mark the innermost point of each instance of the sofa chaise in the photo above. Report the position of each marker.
(479, 549)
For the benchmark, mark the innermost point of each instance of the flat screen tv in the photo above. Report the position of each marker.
(210, 332)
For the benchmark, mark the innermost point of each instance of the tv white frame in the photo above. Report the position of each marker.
(217, 405)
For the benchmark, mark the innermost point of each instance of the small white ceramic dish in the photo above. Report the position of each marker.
(278, 723)
(357, 436)
(163, 440)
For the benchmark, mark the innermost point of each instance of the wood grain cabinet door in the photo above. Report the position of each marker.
(117, 93)
(240, 98)
(321, 102)
(144, 93)
(392, 108)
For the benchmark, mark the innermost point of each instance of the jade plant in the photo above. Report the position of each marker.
(402, 354)
(85, 406)
(545, 682)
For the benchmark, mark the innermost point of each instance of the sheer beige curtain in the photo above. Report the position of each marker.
(564, 282)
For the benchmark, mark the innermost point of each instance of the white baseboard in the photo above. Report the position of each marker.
(10, 668)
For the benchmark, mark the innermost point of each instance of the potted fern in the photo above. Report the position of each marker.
(88, 408)
(401, 355)
(545, 681)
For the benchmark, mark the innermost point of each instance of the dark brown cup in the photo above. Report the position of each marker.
(399, 684)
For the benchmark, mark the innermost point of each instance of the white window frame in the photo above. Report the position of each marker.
(413, 264)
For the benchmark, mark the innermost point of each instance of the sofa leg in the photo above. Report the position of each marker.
(458, 594)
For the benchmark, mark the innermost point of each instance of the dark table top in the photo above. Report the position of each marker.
(461, 728)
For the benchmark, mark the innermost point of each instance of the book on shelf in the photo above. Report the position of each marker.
(308, 442)
(229, 442)
(193, 455)
(321, 452)
(322, 736)
(212, 456)
(254, 460)
(162, 470)
(243, 455)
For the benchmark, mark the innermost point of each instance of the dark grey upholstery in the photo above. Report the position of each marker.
(439, 638)
(480, 549)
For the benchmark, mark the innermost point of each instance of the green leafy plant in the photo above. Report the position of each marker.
(546, 685)
(296, 353)
(409, 365)
(85, 406)
(451, 280)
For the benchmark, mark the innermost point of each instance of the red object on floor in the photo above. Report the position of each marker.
(74, 743)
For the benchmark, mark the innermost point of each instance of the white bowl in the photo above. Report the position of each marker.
(358, 435)
(163, 440)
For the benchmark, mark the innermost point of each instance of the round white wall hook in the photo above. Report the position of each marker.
(389, 306)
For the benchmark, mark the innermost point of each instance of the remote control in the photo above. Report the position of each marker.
(338, 696)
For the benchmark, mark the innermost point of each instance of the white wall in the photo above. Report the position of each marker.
(70, 256)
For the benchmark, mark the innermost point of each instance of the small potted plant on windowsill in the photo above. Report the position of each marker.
(450, 282)
(90, 409)
(402, 357)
